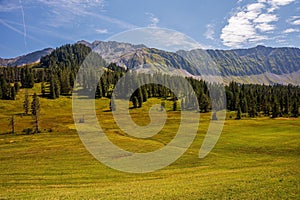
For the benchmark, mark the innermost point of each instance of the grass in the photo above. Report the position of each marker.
(253, 159)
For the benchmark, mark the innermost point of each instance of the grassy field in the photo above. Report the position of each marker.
(253, 159)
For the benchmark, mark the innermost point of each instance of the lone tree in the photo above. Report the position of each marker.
(12, 124)
(239, 113)
(174, 105)
(214, 116)
(135, 102)
(26, 103)
(162, 106)
(112, 105)
(35, 110)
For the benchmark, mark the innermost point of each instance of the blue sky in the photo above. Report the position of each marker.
(29, 25)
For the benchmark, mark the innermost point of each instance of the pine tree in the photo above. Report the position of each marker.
(99, 93)
(140, 98)
(145, 94)
(12, 124)
(275, 110)
(214, 116)
(239, 113)
(1, 91)
(162, 105)
(174, 105)
(35, 105)
(26, 103)
(43, 89)
(52, 88)
(35, 110)
(295, 109)
(12, 93)
(112, 105)
(134, 101)
(17, 87)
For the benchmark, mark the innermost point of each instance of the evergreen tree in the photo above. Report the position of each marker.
(174, 105)
(17, 87)
(112, 105)
(52, 88)
(27, 78)
(35, 110)
(139, 97)
(145, 94)
(275, 110)
(12, 93)
(239, 113)
(26, 103)
(214, 116)
(295, 109)
(99, 93)
(12, 124)
(134, 101)
(43, 89)
(162, 105)
(1, 96)
(35, 105)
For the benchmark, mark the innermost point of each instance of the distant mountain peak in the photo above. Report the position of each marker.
(30, 58)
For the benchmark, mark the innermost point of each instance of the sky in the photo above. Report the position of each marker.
(30, 25)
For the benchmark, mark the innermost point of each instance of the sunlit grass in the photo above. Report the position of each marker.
(253, 159)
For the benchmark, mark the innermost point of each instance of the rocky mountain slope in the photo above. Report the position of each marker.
(260, 64)
(30, 58)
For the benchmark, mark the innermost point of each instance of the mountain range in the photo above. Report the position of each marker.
(261, 65)
(30, 58)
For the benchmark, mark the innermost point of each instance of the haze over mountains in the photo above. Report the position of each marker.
(255, 65)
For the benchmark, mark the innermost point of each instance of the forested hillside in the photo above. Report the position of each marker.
(57, 72)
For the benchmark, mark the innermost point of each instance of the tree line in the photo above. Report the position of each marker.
(57, 73)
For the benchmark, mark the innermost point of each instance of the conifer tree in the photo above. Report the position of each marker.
(239, 113)
(295, 109)
(26, 103)
(35, 110)
(134, 101)
(12, 124)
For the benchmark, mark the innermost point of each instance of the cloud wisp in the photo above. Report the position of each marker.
(153, 20)
(210, 32)
(24, 24)
(252, 23)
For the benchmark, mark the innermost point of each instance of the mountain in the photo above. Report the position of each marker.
(255, 65)
(253, 61)
(261, 65)
(111, 50)
(30, 58)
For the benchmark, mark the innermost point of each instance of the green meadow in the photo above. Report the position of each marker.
(255, 158)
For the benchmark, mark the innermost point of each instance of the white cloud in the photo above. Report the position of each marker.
(265, 18)
(153, 19)
(252, 23)
(294, 20)
(264, 27)
(255, 7)
(210, 32)
(291, 30)
(280, 2)
(275, 4)
(102, 31)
